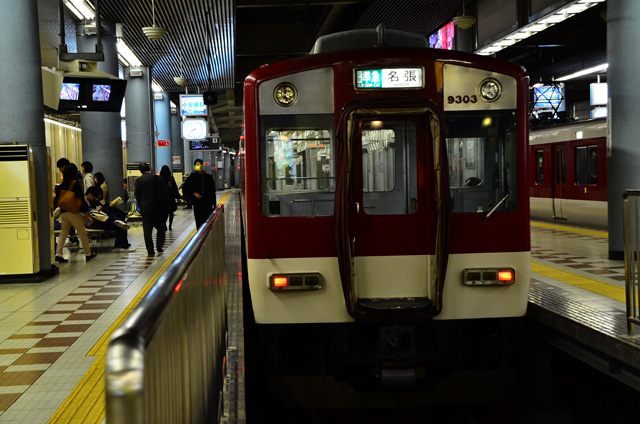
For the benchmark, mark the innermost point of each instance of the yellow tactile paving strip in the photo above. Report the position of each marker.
(594, 286)
(572, 229)
(86, 403)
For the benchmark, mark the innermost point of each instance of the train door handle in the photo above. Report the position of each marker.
(357, 208)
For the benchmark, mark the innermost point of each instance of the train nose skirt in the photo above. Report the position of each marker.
(394, 303)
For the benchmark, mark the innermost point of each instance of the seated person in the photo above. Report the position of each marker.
(112, 221)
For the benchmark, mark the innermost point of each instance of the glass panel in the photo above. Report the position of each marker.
(586, 165)
(559, 166)
(482, 154)
(297, 167)
(389, 167)
(539, 167)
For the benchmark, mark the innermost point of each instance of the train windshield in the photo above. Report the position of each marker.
(297, 166)
(482, 152)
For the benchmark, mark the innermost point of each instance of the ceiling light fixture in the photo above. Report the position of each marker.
(154, 32)
(81, 9)
(572, 9)
(181, 81)
(592, 70)
(464, 21)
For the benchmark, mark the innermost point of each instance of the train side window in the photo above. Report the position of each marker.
(586, 165)
(297, 170)
(559, 166)
(539, 167)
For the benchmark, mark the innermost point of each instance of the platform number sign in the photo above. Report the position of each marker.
(389, 78)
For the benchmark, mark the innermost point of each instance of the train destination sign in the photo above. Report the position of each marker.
(389, 78)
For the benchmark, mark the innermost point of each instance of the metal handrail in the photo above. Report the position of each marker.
(631, 230)
(164, 363)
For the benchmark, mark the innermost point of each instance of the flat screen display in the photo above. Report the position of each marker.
(192, 105)
(443, 38)
(101, 92)
(549, 97)
(392, 78)
(70, 91)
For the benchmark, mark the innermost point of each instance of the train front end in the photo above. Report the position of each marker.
(385, 200)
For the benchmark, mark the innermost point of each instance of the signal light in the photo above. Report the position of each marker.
(488, 276)
(505, 275)
(296, 281)
(280, 281)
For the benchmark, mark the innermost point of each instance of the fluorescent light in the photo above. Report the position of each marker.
(84, 8)
(155, 86)
(73, 9)
(594, 69)
(125, 52)
(573, 8)
(60, 124)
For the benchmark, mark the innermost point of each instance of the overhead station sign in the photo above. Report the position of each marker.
(389, 78)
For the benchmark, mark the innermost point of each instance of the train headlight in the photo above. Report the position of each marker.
(488, 276)
(285, 94)
(490, 90)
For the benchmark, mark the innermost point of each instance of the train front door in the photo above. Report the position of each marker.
(559, 181)
(391, 227)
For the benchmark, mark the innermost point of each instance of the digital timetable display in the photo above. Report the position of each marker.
(390, 78)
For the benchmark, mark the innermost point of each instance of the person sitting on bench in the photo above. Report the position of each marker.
(104, 217)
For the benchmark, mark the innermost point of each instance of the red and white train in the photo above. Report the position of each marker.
(569, 174)
(385, 209)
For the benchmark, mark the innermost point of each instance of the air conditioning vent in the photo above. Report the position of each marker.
(14, 213)
(13, 153)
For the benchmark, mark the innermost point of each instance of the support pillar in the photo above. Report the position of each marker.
(177, 147)
(162, 119)
(101, 134)
(139, 110)
(22, 122)
(623, 17)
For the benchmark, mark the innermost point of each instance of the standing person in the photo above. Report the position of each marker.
(174, 194)
(201, 189)
(100, 182)
(87, 179)
(151, 198)
(72, 219)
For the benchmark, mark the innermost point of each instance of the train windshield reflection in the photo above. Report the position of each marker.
(483, 167)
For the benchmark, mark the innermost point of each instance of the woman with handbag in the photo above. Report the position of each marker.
(69, 198)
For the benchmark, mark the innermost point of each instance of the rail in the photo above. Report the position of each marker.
(164, 364)
(631, 230)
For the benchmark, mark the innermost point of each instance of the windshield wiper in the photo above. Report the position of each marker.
(497, 205)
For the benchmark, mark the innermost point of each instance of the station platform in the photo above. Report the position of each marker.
(578, 295)
(54, 334)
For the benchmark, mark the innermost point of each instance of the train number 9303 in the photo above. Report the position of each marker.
(462, 99)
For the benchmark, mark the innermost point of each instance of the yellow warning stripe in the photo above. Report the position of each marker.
(594, 286)
(571, 229)
(86, 403)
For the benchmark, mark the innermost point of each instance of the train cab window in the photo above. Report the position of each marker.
(297, 169)
(389, 175)
(483, 162)
(539, 167)
(586, 165)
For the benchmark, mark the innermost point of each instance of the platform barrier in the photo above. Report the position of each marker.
(165, 363)
(631, 230)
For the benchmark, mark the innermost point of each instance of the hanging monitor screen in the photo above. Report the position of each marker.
(101, 92)
(70, 91)
(443, 38)
(549, 97)
(192, 105)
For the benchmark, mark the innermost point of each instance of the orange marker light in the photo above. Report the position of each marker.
(280, 281)
(505, 275)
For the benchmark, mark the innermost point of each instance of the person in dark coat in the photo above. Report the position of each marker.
(172, 192)
(201, 189)
(72, 219)
(151, 198)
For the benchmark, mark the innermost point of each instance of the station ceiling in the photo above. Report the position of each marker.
(245, 34)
